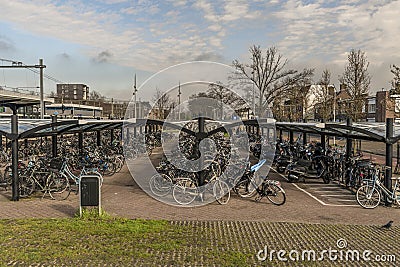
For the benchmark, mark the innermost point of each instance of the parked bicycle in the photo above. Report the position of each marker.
(250, 185)
(369, 195)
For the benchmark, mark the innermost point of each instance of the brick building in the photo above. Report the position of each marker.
(387, 106)
(73, 91)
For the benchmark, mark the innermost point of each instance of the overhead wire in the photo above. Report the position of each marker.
(34, 70)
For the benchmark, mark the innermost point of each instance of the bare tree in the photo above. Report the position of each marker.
(324, 96)
(303, 93)
(52, 94)
(269, 74)
(396, 80)
(293, 106)
(224, 96)
(163, 103)
(220, 93)
(204, 107)
(94, 95)
(357, 80)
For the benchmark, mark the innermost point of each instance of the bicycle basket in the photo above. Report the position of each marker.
(56, 164)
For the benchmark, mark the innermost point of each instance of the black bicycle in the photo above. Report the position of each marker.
(250, 186)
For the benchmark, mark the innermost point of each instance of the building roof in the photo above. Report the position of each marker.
(70, 105)
(17, 99)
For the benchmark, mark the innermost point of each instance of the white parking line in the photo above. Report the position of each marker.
(326, 187)
(314, 197)
(336, 195)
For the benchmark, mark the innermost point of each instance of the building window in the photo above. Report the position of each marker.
(371, 108)
(397, 105)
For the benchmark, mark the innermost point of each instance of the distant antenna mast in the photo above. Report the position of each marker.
(179, 101)
(134, 95)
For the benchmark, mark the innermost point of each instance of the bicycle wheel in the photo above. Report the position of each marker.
(107, 168)
(222, 192)
(368, 197)
(26, 186)
(184, 191)
(275, 194)
(7, 175)
(160, 184)
(59, 187)
(118, 164)
(245, 189)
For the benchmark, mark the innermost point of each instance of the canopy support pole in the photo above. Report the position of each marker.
(98, 139)
(54, 138)
(389, 157)
(14, 151)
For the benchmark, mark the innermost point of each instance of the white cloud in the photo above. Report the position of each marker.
(235, 10)
(208, 10)
(150, 35)
(329, 30)
(99, 32)
(178, 3)
(111, 2)
(215, 27)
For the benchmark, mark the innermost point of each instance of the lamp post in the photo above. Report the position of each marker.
(134, 95)
(62, 100)
(41, 91)
(254, 95)
(112, 108)
(334, 103)
(179, 101)
(334, 111)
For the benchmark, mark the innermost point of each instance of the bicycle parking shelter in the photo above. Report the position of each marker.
(388, 133)
(254, 126)
(377, 132)
(24, 129)
(33, 128)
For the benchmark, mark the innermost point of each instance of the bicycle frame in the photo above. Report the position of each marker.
(66, 172)
(391, 195)
(388, 193)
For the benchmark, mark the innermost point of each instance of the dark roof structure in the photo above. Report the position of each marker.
(362, 131)
(28, 128)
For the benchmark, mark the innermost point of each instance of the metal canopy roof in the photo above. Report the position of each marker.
(37, 128)
(28, 128)
(364, 131)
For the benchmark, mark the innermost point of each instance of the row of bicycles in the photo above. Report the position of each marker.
(57, 177)
(313, 161)
(361, 175)
(221, 173)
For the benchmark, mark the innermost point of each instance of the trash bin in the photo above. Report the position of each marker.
(89, 192)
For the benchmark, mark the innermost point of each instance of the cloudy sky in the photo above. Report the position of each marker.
(103, 43)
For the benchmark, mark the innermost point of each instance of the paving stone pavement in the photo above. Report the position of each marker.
(259, 243)
(242, 225)
(122, 197)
